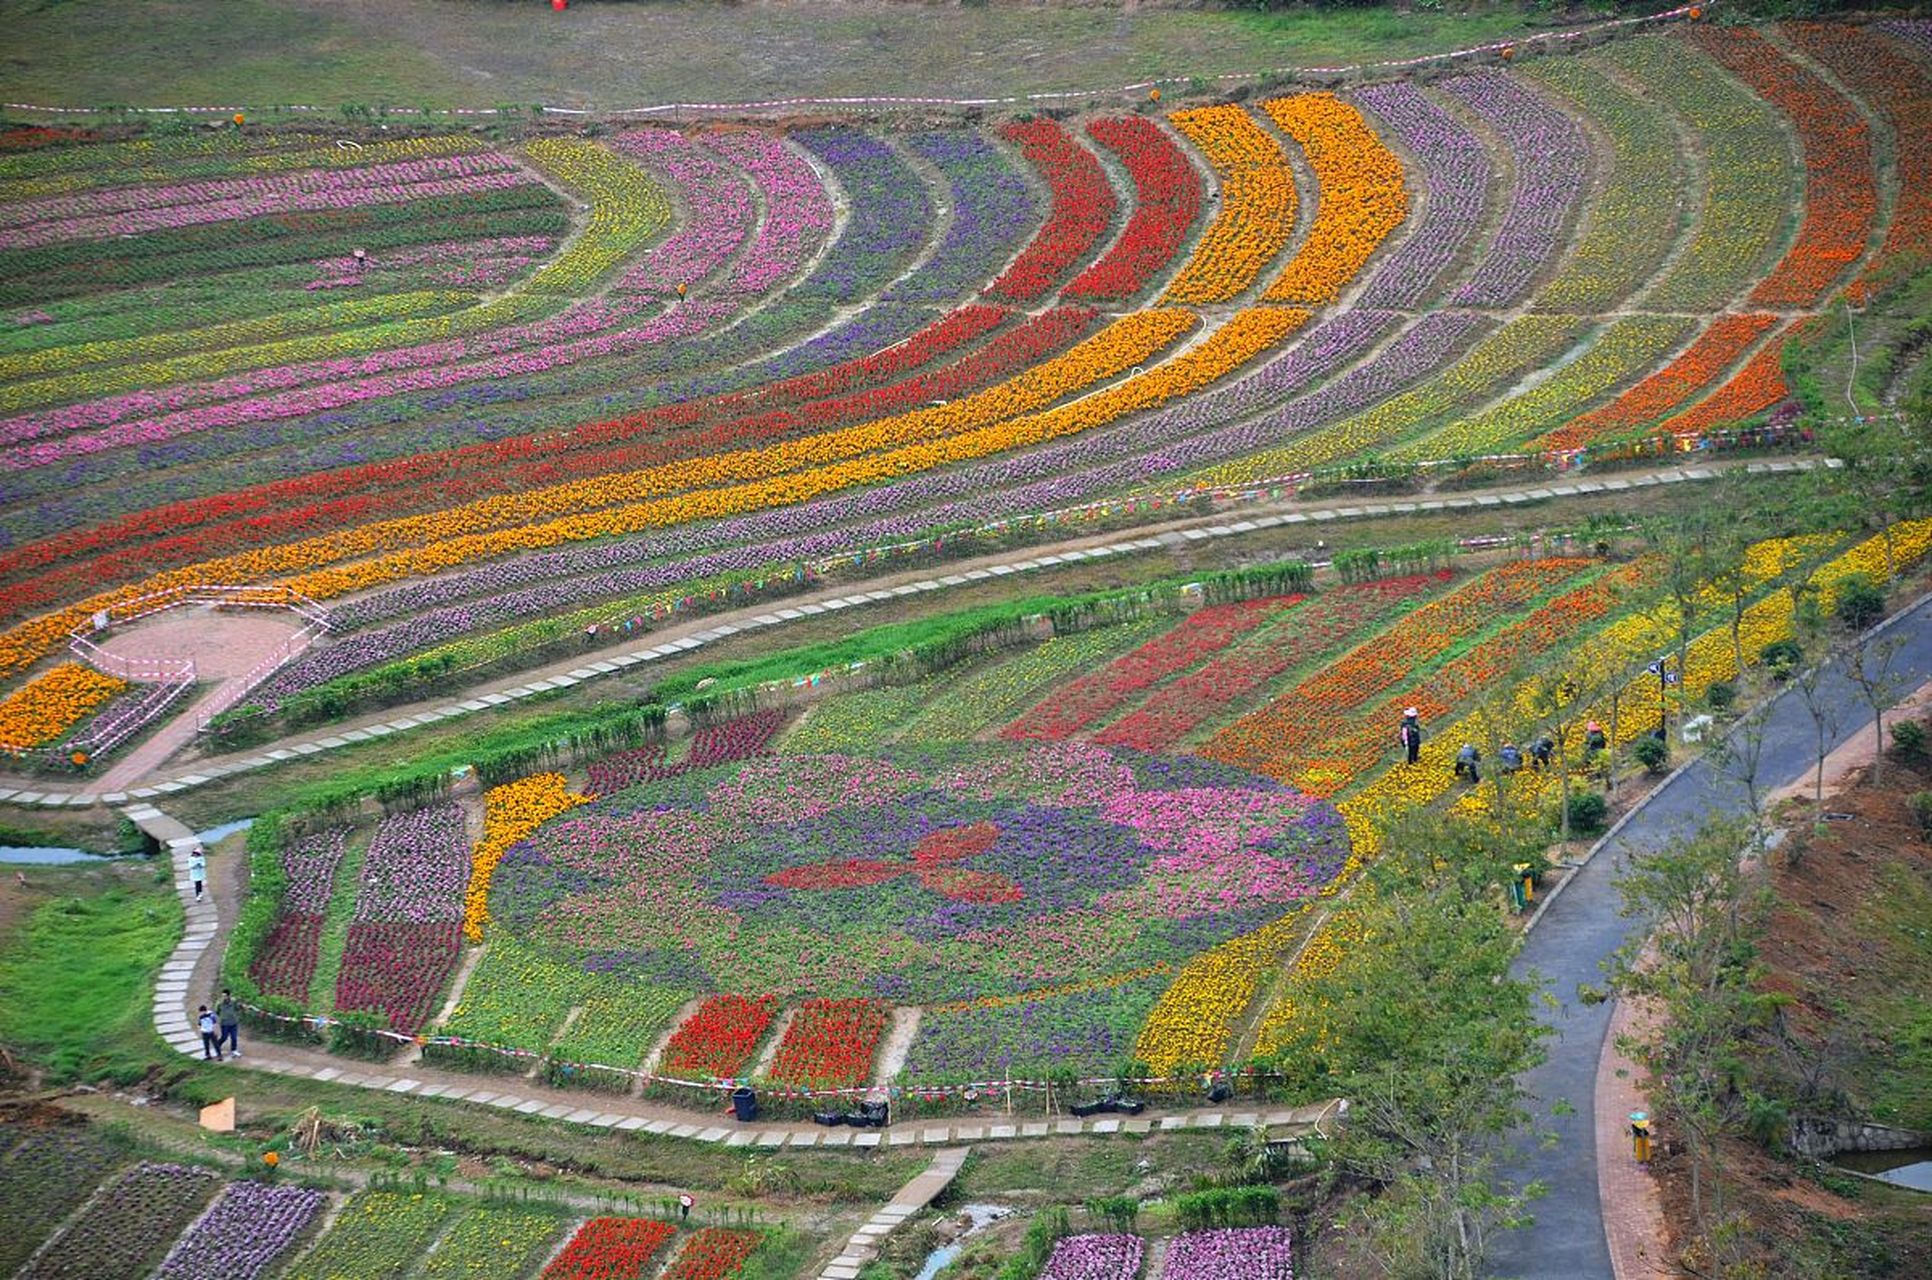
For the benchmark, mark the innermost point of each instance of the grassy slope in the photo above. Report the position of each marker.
(604, 54)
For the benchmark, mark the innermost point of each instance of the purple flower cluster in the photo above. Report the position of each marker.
(1095, 1257)
(1091, 1032)
(416, 869)
(1457, 174)
(721, 212)
(1550, 155)
(888, 219)
(798, 211)
(248, 1227)
(310, 865)
(991, 208)
(132, 210)
(1234, 1253)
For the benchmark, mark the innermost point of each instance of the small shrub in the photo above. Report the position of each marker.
(1909, 737)
(1588, 811)
(1720, 695)
(1652, 753)
(1781, 658)
(1921, 805)
(1860, 602)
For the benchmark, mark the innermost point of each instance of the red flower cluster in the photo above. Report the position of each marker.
(712, 1254)
(1841, 184)
(1714, 351)
(932, 860)
(830, 1044)
(1752, 390)
(1167, 195)
(610, 1249)
(1316, 628)
(397, 969)
(719, 1039)
(738, 739)
(1074, 706)
(286, 962)
(1083, 205)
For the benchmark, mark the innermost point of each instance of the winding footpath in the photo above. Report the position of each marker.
(1577, 931)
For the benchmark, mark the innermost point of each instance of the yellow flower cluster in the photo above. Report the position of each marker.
(1244, 336)
(1195, 1018)
(1258, 204)
(53, 704)
(1362, 199)
(510, 812)
(626, 210)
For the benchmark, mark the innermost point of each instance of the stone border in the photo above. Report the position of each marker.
(55, 798)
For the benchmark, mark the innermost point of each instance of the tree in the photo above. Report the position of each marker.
(1885, 464)
(1869, 668)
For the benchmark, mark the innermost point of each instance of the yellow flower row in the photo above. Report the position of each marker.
(626, 210)
(510, 813)
(53, 704)
(1258, 204)
(1245, 335)
(1194, 1019)
(1363, 198)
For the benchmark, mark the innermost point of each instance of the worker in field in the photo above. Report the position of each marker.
(1468, 763)
(1410, 734)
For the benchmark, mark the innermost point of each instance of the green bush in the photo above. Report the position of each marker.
(1720, 695)
(1909, 737)
(1652, 753)
(267, 882)
(1588, 811)
(1227, 1207)
(1860, 602)
(1921, 805)
(1781, 658)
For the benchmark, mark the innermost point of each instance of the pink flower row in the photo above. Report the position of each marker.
(112, 200)
(798, 212)
(721, 212)
(138, 221)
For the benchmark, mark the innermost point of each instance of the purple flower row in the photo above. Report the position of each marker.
(1234, 1253)
(798, 210)
(721, 212)
(1457, 174)
(416, 869)
(1550, 156)
(888, 217)
(991, 210)
(309, 864)
(248, 1227)
(141, 221)
(1095, 1257)
(107, 201)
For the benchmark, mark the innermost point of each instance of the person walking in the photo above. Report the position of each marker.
(1411, 734)
(228, 1018)
(198, 869)
(210, 1046)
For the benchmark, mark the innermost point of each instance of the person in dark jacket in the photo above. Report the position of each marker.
(1468, 761)
(228, 1017)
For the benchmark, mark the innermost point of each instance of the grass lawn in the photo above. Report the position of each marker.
(603, 54)
(77, 966)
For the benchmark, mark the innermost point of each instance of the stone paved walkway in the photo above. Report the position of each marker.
(911, 1198)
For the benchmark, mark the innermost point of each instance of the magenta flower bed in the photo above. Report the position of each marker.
(1235, 1253)
(397, 970)
(416, 869)
(1095, 1257)
(285, 965)
(721, 212)
(248, 1227)
(798, 211)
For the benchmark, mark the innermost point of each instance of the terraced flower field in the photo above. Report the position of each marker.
(471, 400)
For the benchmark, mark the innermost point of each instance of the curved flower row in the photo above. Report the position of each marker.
(797, 209)
(1715, 350)
(54, 702)
(990, 209)
(1083, 207)
(1195, 1018)
(1167, 200)
(150, 159)
(510, 812)
(888, 219)
(719, 204)
(1258, 205)
(1755, 388)
(626, 211)
(1362, 197)
(1841, 184)
(1456, 174)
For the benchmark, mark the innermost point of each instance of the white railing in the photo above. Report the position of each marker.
(235, 690)
(139, 670)
(220, 596)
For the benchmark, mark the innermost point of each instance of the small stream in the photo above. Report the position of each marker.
(54, 856)
(1911, 1168)
(980, 1216)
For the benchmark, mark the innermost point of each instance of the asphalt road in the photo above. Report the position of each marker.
(1581, 930)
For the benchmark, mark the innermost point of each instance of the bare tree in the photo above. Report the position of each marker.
(1869, 667)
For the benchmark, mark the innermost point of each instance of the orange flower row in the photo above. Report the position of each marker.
(1258, 204)
(1841, 184)
(1715, 350)
(510, 812)
(1752, 390)
(1362, 200)
(53, 704)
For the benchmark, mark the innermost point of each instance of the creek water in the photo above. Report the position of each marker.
(980, 1216)
(55, 856)
(1911, 1168)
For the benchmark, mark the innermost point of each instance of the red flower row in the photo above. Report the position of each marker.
(714, 1253)
(397, 970)
(1317, 627)
(1167, 194)
(1756, 387)
(610, 1249)
(738, 739)
(324, 501)
(830, 1044)
(1715, 350)
(1083, 205)
(719, 1039)
(1083, 702)
(286, 962)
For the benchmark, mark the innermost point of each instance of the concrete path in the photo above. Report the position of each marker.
(1580, 928)
(911, 1198)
